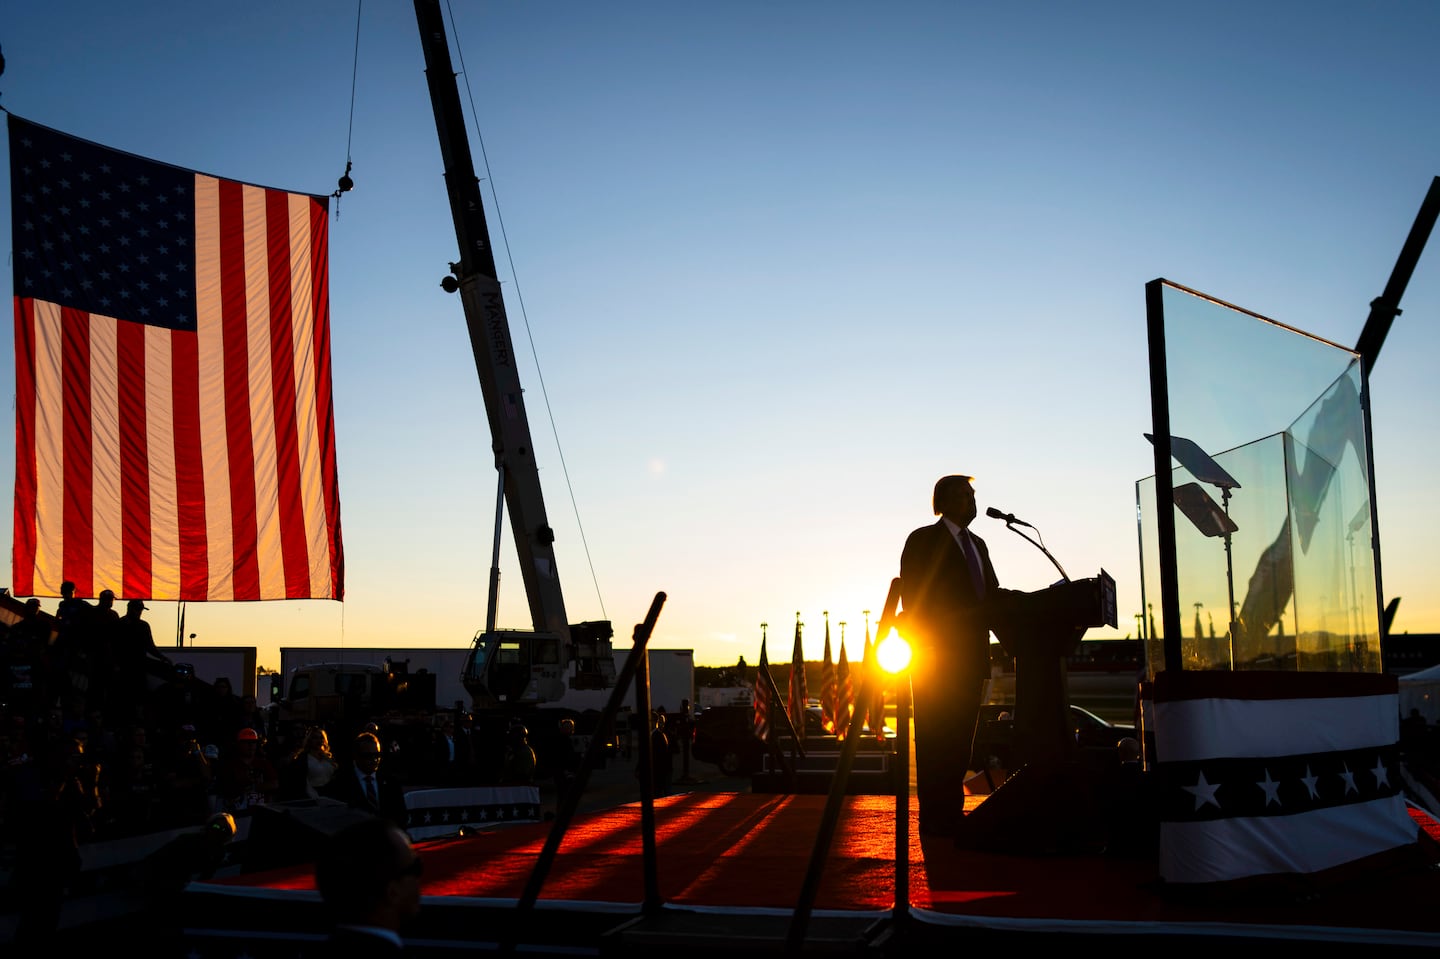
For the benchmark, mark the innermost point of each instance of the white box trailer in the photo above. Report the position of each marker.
(235, 663)
(672, 673)
(672, 679)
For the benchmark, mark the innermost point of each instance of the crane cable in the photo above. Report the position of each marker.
(345, 184)
(520, 301)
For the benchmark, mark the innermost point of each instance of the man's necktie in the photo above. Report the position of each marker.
(972, 559)
(370, 792)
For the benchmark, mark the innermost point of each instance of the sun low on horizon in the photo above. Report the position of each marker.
(757, 313)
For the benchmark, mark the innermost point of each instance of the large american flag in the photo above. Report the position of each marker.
(175, 434)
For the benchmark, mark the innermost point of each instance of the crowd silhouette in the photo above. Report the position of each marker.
(105, 736)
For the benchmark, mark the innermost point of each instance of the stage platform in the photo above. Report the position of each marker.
(730, 870)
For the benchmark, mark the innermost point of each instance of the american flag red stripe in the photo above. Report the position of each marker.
(134, 505)
(236, 278)
(180, 561)
(77, 449)
(174, 412)
(25, 464)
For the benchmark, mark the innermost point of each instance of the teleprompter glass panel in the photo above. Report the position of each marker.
(1277, 570)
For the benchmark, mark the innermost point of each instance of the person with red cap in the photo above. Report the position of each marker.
(247, 777)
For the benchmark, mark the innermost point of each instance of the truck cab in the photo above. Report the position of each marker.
(353, 692)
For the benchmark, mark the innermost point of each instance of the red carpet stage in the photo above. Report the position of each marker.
(744, 856)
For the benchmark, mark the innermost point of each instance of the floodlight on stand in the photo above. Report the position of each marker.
(1192, 500)
(1200, 463)
(893, 653)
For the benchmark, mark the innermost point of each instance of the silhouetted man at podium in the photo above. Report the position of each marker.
(945, 581)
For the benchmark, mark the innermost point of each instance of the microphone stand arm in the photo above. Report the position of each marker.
(1041, 547)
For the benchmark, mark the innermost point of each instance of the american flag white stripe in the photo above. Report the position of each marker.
(105, 451)
(1191, 729)
(49, 463)
(264, 466)
(307, 427)
(164, 551)
(214, 443)
(1226, 849)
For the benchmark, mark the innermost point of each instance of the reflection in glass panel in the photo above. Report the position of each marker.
(1279, 571)
(1234, 377)
(1334, 561)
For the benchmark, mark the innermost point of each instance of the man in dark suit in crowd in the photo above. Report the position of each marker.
(363, 786)
(945, 582)
(369, 878)
(449, 757)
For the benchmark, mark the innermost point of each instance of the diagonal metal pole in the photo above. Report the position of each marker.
(650, 870)
(571, 799)
(1383, 310)
(800, 919)
(772, 743)
(1385, 307)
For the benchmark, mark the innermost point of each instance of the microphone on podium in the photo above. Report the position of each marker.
(1009, 518)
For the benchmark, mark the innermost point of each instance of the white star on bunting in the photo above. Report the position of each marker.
(1310, 779)
(1272, 790)
(1204, 793)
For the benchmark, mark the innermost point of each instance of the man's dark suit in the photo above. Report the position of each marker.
(347, 788)
(947, 626)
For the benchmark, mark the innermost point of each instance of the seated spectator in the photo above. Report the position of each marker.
(369, 879)
(366, 787)
(186, 776)
(220, 714)
(247, 777)
(519, 756)
(132, 794)
(310, 768)
(251, 717)
(449, 756)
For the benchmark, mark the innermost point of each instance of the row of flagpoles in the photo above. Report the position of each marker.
(838, 709)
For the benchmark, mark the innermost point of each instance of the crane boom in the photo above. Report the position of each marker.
(506, 665)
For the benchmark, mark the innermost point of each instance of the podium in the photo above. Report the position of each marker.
(1040, 629)
(1043, 806)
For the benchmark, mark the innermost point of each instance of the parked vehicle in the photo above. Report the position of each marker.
(995, 731)
(725, 736)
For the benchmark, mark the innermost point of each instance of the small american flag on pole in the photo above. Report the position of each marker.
(799, 697)
(845, 692)
(762, 696)
(873, 711)
(829, 707)
(175, 434)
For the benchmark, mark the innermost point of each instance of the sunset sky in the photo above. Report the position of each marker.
(781, 266)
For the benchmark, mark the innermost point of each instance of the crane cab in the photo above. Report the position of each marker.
(509, 667)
